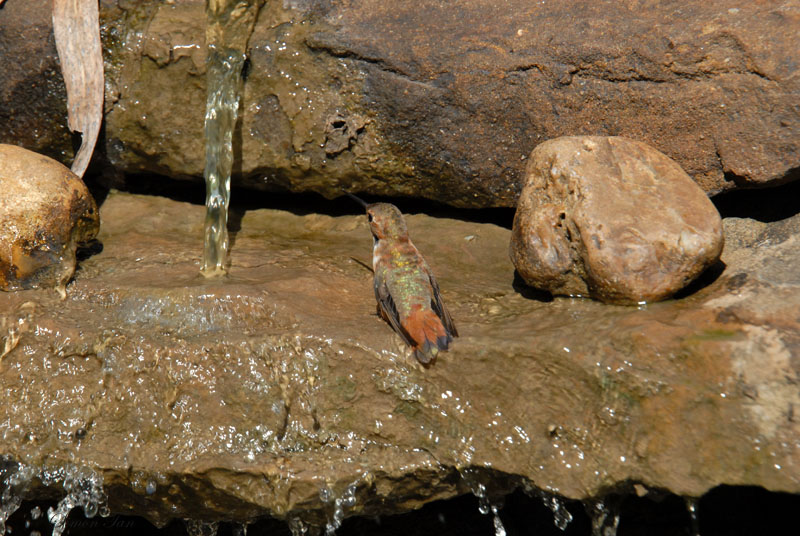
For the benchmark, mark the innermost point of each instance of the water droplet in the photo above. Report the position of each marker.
(349, 497)
(484, 505)
(201, 528)
(691, 506)
(297, 527)
(239, 529)
(604, 520)
(499, 529)
(325, 494)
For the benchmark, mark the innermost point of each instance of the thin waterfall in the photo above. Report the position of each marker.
(229, 25)
(224, 68)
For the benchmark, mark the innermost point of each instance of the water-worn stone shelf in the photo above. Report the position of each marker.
(426, 99)
(278, 390)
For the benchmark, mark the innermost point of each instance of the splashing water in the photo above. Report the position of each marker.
(691, 506)
(201, 528)
(297, 527)
(84, 488)
(484, 505)
(17, 478)
(347, 500)
(224, 76)
(604, 520)
(561, 516)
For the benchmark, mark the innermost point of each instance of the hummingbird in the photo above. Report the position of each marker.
(407, 292)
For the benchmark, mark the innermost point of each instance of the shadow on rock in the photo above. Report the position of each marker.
(705, 279)
(88, 249)
(529, 292)
(763, 204)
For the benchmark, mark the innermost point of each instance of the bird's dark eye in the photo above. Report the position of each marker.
(369, 217)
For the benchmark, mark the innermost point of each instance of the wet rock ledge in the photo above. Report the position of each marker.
(423, 99)
(279, 391)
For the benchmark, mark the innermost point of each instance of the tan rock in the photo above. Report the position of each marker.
(45, 212)
(278, 389)
(611, 218)
(350, 93)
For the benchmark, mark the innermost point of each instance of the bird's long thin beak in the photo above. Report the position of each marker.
(356, 199)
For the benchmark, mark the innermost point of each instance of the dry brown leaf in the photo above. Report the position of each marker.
(77, 31)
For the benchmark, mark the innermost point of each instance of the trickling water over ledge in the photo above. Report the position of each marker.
(721, 512)
(80, 486)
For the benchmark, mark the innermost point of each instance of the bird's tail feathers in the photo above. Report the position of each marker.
(429, 334)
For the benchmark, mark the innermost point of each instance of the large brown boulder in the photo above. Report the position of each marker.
(437, 100)
(611, 218)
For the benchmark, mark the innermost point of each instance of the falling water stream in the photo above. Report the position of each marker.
(229, 25)
(691, 507)
(485, 505)
(604, 516)
(224, 67)
(562, 517)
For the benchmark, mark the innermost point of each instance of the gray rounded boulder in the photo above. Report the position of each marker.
(611, 218)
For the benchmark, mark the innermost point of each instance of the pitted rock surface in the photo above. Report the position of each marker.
(45, 212)
(613, 219)
(353, 93)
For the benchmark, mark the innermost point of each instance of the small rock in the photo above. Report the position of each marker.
(45, 212)
(611, 218)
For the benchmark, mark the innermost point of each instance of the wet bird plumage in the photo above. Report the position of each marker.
(406, 290)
